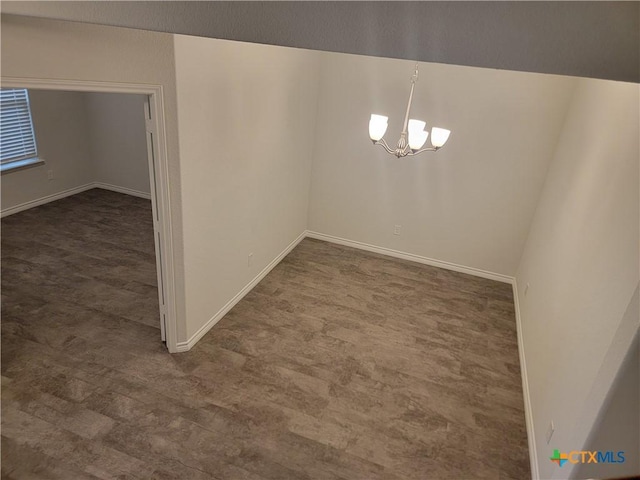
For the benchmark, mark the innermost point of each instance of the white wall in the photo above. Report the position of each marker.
(581, 262)
(62, 137)
(47, 49)
(246, 121)
(470, 203)
(618, 425)
(118, 140)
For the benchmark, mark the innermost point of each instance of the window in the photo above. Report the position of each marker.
(17, 139)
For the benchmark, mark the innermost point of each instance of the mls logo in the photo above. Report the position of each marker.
(559, 458)
(583, 456)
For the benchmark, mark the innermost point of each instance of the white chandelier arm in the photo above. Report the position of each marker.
(428, 149)
(406, 152)
(384, 145)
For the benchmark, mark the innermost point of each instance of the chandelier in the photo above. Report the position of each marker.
(413, 136)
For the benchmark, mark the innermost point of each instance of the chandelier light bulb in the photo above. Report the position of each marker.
(416, 125)
(417, 135)
(439, 136)
(377, 126)
(417, 139)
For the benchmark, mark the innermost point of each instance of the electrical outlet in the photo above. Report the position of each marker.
(250, 260)
(526, 289)
(49, 174)
(396, 229)
(550, 431)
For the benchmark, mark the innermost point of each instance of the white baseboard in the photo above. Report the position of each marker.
(185, 346)
(528, 413)
(412, 257)
(126, 191)
(42, 200)
(67, 193)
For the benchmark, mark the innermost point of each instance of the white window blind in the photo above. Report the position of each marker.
(17, 140)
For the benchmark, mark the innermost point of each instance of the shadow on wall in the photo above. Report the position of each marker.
(618, 425)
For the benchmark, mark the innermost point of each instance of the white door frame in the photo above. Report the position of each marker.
(159, 178)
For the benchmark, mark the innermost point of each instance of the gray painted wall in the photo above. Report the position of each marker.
(118, 140)
(586, 39)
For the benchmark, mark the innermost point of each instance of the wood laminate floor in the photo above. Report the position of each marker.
(340, 364)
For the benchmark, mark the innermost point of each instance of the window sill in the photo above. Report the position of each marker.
(20, 165)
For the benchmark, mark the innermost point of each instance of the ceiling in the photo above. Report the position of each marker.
(586, 39)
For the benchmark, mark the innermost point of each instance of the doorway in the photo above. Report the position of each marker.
(158, 192)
